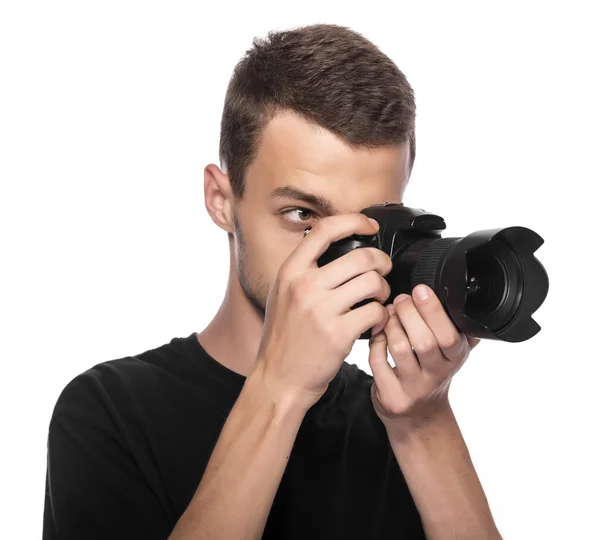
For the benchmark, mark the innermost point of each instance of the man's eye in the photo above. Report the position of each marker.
(302, 214)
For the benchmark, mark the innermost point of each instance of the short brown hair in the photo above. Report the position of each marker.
(330, 75)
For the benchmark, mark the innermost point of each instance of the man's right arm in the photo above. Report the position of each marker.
(235, 495)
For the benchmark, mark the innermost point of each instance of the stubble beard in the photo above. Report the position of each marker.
(254, 286)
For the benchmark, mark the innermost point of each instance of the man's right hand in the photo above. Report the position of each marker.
(309, 328)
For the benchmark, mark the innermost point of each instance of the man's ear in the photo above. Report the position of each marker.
(218, 197)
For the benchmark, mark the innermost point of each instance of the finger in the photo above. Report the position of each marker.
(327, 230)
(451, 342)
(420, 336)
(407, 363)
(369, 285)
(359, 320)
(353, 264)
(380, 325)
(386, 380)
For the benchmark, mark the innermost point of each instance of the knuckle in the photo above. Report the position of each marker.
(396, 408)
(377, 310)
(400, 348)
(451, 342)
(385, 288)
(299, 289)
(373, 280)
(285, 273)
(374, 312)
(370, 256)
(387, 264)
(375, 254)
(284, 278)
(425, 346)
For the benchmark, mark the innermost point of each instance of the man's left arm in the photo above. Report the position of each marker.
(411, 399)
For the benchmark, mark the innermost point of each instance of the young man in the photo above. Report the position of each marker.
(257, 426)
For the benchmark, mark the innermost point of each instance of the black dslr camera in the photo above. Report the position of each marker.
(489, 282)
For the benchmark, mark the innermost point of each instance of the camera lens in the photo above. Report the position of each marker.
(494, 284)
(486, 285)
(480, 279)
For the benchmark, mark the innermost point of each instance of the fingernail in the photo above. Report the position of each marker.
(400, 298)
(374, 222)
(422, 292)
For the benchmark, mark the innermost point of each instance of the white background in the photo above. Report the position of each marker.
(110, 110)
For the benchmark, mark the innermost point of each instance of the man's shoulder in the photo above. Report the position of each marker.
(116, 383)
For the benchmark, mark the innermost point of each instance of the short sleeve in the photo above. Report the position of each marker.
(94, 488)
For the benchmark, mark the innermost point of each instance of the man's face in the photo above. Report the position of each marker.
(297, 155)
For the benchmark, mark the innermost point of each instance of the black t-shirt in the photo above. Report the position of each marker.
(129, 441)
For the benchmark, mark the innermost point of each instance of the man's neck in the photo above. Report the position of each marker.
(233, 336)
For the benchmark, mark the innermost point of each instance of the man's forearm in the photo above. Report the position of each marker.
(235, 495)
(439, 472)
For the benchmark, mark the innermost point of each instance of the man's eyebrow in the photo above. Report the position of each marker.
(290, 192)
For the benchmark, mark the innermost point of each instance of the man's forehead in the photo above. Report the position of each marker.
(289, 141)
(292, 147)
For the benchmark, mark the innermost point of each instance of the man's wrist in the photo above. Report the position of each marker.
(437, 421)
(285, 400)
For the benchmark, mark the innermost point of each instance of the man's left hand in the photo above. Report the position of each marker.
(427, 350)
